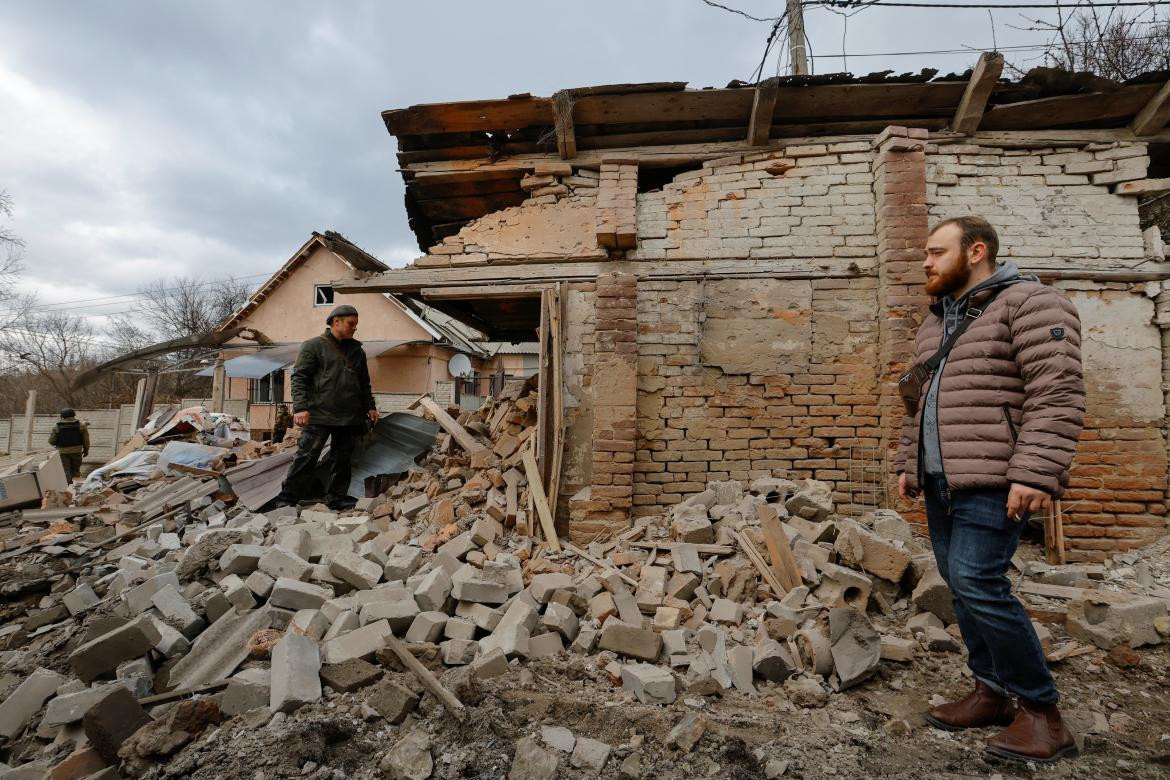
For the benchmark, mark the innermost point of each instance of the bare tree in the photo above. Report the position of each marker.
(1110, 43)
(53, 348)
(171, 309)
(12, 305)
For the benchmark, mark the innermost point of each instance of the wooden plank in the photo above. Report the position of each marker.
(1058, 523)
(562, 108)
(598, 562)
(478, 293)
(558, 402)
(702, 549)
(1154, 114)
(758, 561)
(1056, 591)
(543, 440)
(468, 116)
(1094, 108)
(783, 563)
(684, 106)
(536, 492)
(448, 423)
(763, 106)
(424, 675)
(979, 87)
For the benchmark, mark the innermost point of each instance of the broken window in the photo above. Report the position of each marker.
(323, 295)
(268, 389)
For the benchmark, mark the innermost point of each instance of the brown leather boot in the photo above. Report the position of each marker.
(1037, 734)
(982, 707)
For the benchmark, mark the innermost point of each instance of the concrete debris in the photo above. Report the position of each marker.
(277, 617)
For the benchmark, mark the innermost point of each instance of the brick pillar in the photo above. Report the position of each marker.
(614, 387)
(900, 200)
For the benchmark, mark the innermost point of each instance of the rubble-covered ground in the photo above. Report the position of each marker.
(751, 632)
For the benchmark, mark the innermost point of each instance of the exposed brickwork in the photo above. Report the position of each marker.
(613, 384)
(616, 203)
(900, 201)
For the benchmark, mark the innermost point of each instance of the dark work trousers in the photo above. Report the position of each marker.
(974, 540)
(72, 464)
(342, 439)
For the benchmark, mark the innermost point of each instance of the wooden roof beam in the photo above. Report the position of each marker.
(763, 106)
(974, 102)
(1154, 115)
(562, 108)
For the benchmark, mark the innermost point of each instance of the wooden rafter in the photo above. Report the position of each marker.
(1154, 115)
(562, 108)
(974, 101)
(763, 105)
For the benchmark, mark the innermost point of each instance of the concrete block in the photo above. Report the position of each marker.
(177, 612)
(512, 639)
(260, 584)
(533, 762)
(727, 612)
(545, 645)
(279, 564)
(432, 592)
(238, 594)
(586, 641)
(309, 622)
(856, 646)
(686, 733)
(215, 604)
(939, 640)
(401, 562)
(693, 528)
(772, 661)
(360, 643)
(426, 627)
(392, 700)
(558, 738)
(859, 548)
(104, 653)
(627, 606)
(560, 619)
(344, 623)
(630, 640)
(590, 754)
(294, 540)
(28, 698)
(682, 585)
(356, 570)
(458, 547)
(520, 612)
(217, 652)
(241, 696)
(241, 559)
(296, 667)
(650, 684)
(484, 530)
(400, 614)
(933, 595)
(1107, 621)
(894, 648)
(171, 643)
(137, 599)
(111, 721)
(80, 599)
(350, 675)
(843, 587)
(138, 676)
(917, 624)
(70, 707)
(488, 664)
(459, 652)
(291, 593)
(481, 615)
(544, 585)
(459, 628)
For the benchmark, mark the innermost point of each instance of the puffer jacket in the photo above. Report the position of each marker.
(331, 381)
(1011, 401)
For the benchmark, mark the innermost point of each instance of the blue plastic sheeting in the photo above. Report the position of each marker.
(391, 448)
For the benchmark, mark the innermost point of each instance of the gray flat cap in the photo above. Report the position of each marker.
(344, 310)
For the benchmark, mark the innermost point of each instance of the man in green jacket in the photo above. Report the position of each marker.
(332, 401)
(71, 438)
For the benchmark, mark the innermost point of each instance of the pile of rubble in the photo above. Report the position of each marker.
(208, 614)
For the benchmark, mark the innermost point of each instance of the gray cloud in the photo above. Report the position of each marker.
(146, 139)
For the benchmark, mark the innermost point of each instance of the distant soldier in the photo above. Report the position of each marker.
(71, 438)
(282, 423)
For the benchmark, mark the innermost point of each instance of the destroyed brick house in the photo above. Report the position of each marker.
(727, 281)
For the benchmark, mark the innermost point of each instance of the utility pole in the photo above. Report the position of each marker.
(798, 52)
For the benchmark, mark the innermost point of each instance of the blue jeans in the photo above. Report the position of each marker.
(974, 540)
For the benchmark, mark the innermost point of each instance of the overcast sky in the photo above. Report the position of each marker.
(144, 139)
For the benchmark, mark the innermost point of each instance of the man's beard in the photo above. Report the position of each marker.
(949, 281)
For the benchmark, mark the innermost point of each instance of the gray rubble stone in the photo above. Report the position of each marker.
(459, 628)
(280, 564)
(356, 570)
(545, 645)
(426, 627)
(80, 599)
(400, 613)
(560, 619)
(238, 594)
(687, 732)
(110, 722)
(402, 561)
(590, 754)
(241, 559)
(933, 595)
(1108, 621)
(532, 762)
(350, 675)
(856, 646)
(392, 700)
(650, 684)
(28, 698)
(360, 643)
(558, 738)
(137, 599)
(432, 592)
(260, 584)
(294, 594)
(296, 667)
(459, 652)
(70, 707)
(410, 758)
(177, 612)
(490, 663)
(309, 622)
(544, 585)
(104, 653)
(632, 641)
(772, 661)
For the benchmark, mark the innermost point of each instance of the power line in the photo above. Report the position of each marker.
(970, 50)
(741, 13)
(45, 307)
(883, 4)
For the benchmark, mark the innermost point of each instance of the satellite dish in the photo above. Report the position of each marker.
(459, 366)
